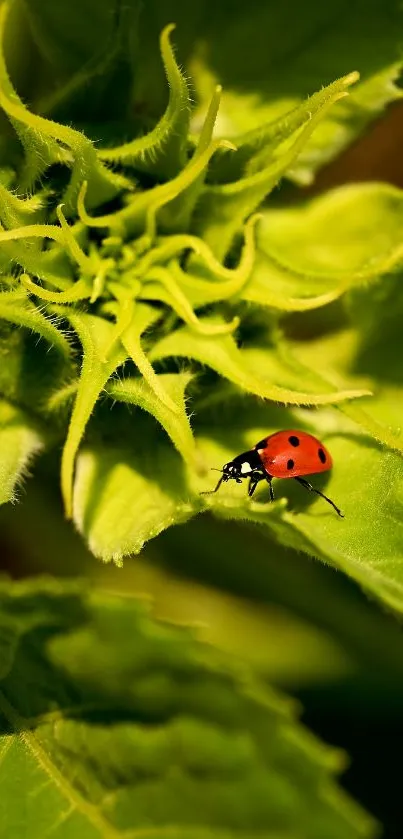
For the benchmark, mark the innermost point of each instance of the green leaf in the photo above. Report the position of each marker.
(138, 392)
(368, 548)
(47, 142)
(351, 234)
(40, 151)
(363, 348)
(326, 633)
(310, 255)
(142, 319)
(367, 542)
(321, 373)
(87, 71)
(20, 440)
(257, 148)
(223, 356)
(16, 211)
(142, 209)
(193, 579)
(222, 208)
(276, 286)
(348, 241)
(17, 309)
(126, 492)
(99, 702)
(101, 357)
(161, 285)
(178, 214)
(162, 150)
(53, 266)
(30, 373)
(270, 59)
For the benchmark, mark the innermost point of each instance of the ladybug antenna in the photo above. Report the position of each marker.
(213, 469)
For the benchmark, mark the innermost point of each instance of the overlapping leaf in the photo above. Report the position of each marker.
(116, 724)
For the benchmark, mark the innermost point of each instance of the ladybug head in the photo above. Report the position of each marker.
(243, 466)
(232, 471)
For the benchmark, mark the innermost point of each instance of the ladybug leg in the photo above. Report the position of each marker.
(255, 478)
(309, 486)
(270, 488)
(253, 482)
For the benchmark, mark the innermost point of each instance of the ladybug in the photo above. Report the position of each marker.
(285, 454)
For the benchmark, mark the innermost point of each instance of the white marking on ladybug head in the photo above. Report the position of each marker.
(246, 468)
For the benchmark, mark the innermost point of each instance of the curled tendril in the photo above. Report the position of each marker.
(178, 301)
(100, 279)
(83, 261)
(81, 290)
(143, 208)
(128, 330)
(175, 245)
(123, 321)
(62, 235)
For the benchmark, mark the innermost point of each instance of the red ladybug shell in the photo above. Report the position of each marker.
(290, 454)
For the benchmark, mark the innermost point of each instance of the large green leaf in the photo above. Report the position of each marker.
(113, 724)
(312, 254)
(368, 543)
(124, 497)
(349, 235)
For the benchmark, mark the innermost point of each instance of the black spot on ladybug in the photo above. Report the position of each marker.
(322, 456)
(290, 464)
(293, 440)
(262, 444)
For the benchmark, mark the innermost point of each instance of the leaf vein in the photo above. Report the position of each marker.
(72, 795)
